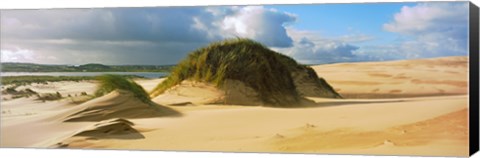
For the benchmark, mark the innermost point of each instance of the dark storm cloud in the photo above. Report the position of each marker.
(131, 35)
(125, 24)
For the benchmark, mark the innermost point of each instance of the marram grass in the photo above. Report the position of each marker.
(245, 60)
(109, 83)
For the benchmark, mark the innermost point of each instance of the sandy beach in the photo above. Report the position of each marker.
(410, 107)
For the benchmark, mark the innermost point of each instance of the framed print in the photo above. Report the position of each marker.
(350, 78)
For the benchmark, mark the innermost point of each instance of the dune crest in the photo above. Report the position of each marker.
(112, 128)
(116, 128)
(118, 103)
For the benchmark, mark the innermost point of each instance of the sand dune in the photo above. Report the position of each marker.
(22, 116)
(26, 122)
(118, 103)
(406, 78)
(237, 93)
(191, 92)
(317, 129)
(108, 129)
(420, 107)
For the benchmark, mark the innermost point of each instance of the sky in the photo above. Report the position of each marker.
(311, 34)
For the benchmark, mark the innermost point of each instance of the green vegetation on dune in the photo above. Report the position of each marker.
(318, 82)
(240, 59)
(109, 83)
(18, 93)
(29, 92)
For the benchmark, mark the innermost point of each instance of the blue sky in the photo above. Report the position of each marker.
(311, 34)
(340, 19)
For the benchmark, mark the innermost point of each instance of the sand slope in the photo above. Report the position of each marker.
(196, 93)
(320, 129)
(189, 92)
(406, 78)
(26, 122)
(118, 103)
(47, 119)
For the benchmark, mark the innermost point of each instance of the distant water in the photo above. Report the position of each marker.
(142, 74)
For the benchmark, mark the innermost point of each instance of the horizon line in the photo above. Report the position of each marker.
(2, 62)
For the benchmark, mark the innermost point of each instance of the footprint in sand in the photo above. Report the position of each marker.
(309, 126)
(395, 91)
(388, 143)
(279, 136)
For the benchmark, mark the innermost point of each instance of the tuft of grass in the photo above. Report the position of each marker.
(19, 93)
(109, 83)
(49, 96)
(248, 61)
(328, 90)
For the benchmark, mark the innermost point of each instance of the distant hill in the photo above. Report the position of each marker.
(92, 67)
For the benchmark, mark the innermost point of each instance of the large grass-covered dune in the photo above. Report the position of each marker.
(247, 72)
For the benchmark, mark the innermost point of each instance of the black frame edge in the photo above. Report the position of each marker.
(474, 78)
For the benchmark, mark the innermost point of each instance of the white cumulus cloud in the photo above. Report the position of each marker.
(430, 29)
(430, 17)
(264, 25)
(311, 48)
